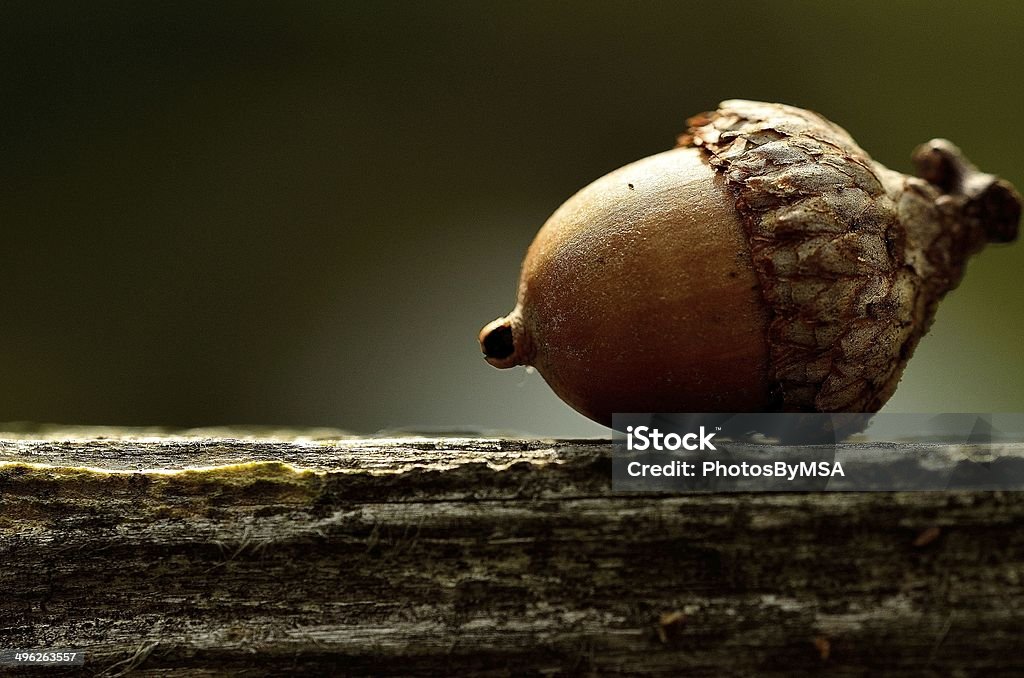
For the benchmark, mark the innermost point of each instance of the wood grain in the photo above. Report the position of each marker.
(272, 553)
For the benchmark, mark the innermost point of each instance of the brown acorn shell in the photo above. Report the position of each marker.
(638, 294)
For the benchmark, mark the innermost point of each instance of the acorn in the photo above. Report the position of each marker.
(766, 263)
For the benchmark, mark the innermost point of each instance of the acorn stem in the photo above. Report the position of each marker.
(985, 204)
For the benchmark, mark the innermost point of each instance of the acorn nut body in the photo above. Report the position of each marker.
(764, 264)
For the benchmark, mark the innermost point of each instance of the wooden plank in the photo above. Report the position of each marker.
(263, 552)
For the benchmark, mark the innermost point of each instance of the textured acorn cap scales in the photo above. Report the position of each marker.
(767, 263)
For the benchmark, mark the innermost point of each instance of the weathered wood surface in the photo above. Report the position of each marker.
(322, 554)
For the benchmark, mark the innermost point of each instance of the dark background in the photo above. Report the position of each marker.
(301, 213)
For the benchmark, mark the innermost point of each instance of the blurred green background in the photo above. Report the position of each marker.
(302, 212)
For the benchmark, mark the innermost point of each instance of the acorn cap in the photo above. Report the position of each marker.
(852, 258)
